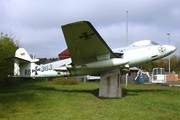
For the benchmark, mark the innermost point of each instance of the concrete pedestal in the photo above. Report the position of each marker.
(110, 85)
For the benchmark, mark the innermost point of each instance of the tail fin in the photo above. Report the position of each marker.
(22, 54)
(22, 61)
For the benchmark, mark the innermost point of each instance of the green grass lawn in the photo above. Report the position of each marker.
(42, 100)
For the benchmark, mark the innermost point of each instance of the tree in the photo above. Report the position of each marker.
(164, 63)
(8, 46)
(174, 63)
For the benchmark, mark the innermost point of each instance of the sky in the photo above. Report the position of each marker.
(36, 24)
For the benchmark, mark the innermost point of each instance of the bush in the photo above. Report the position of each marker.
(10, 81)
(64, 81)
(8, 46)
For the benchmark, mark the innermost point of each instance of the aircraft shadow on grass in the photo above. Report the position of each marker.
(20, 94)
(95, 92)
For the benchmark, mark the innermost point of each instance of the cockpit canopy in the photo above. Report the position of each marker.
(143, 43)
(139, 44)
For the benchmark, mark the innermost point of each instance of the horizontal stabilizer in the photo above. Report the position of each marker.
(21, 57)
(19, 60)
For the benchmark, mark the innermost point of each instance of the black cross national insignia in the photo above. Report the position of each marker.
(36, 69)
(86, 36)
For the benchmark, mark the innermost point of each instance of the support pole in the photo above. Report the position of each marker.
(110, 85)
(127, 28)
(126, 79)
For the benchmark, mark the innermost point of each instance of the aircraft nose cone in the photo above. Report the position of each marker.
(170, 49)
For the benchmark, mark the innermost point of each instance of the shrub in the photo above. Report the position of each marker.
(8, 46)
(64, 81)
(10, 81)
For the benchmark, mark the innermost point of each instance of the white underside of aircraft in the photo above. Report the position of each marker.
(89, 55)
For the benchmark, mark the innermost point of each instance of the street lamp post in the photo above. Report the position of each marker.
(169, 56)
(127, 29)
(127, 42)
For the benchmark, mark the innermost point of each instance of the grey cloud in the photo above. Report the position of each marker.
(37, 24)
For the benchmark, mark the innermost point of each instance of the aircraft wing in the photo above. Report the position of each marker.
(84, 43)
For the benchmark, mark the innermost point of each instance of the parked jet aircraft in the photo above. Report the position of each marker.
(89, 55)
